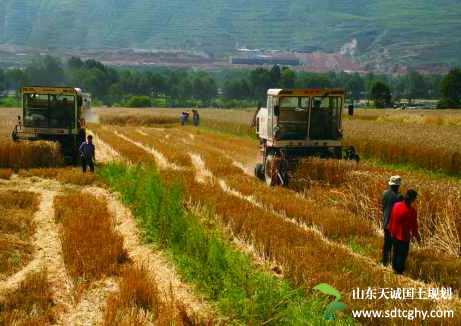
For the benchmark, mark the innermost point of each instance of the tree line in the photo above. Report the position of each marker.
(186, 87)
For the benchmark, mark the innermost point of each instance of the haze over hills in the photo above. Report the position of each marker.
(378, 33)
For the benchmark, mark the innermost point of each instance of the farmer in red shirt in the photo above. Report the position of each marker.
(403, 226)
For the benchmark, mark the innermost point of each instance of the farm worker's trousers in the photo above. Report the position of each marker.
(87, 162)
(400, 255)
(387, 247)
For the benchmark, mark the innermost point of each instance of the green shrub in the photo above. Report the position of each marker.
(139, 102)
(10, 102)
(446, 103)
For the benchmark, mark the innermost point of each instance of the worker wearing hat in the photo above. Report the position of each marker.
(389, 198)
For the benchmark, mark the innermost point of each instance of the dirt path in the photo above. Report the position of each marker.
(145, 255)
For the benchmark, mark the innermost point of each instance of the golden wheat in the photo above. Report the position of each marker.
(29, 155)
(91, 246)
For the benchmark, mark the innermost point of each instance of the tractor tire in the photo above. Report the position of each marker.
(259, 172)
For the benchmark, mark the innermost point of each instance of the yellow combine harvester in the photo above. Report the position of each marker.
(299, 123)
(54, 114)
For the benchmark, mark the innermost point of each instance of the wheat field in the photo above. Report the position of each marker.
(325, 227)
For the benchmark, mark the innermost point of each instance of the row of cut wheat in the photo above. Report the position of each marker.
(303, 254)
(346, 212)
(93, 249)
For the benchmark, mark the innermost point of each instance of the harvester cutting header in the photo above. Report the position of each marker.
(296, 124)
(54, 114)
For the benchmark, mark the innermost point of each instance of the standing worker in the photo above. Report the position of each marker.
(403, 227)
(87, 154)
(389, 198)
(184, 117)
(195, 117)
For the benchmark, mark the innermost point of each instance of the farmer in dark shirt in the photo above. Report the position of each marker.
(403, 226)
(87, 154)
(389, 198)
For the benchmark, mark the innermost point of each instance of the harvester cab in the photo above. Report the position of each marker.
(54, 114)
(296, 124)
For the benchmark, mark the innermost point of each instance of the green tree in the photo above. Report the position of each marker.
(354, 86)
(236, 90)
(313, 80)
(46, 71)
(75, 63)
(114, 94)
(288, 78)
(158, 85)
(208, 90)
(260, 82)
(381, 94)
(15, 79)
(188, 89)
(433, 86)
(415, 86)
(450, 90)
(139, 102)
(2, 80)
(276, 76)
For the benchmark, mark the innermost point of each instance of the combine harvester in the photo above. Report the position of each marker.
(54, 114)
(297, 124)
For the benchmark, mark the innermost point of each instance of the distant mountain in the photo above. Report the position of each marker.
(377, 32)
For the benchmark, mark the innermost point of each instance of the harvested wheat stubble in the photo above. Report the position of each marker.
(89, 310)
(88, 255)
(440, 269)
(63, 175)
(104, 152)
(155, 267)
(353, 191)
(331, 221)
(29, 304)
(95, 255)
(159, 158)
(302, 253)
(139, 302)
(47, 253)
(16, 231)
(130, 152)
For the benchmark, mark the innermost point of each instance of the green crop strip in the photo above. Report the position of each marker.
(242, 293)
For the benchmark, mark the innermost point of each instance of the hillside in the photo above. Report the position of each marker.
(416, 32)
